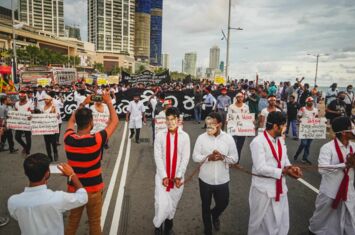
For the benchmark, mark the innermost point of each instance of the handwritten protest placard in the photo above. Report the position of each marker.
(100, 121)
(313, 128)
(19, 121)
(44, 124)
(160, 123)
(241, 124)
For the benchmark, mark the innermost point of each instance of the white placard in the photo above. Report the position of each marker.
(313, 128)
(241, 124)
(44, 124)
(18, 121)
(100, 121)
(160, 123)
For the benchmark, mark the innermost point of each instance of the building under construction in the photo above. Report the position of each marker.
(142, 30)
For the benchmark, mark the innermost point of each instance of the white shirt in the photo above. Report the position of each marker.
(79, 98)
(331, 179)
(265, 113)
(349, 98)
(136, 110)
(24, 108)
(59, 104)
(305, 113)
(183, 153)
(94, 110)
(153, 101)
(215, 172)
(39, 211)
(329, 93)
(234, 109)
(264, 163)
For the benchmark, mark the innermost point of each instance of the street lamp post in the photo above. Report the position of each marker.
(317, 56)
(14, 59)
(228, 39)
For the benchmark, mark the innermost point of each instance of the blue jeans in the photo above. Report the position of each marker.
(293, 126)
(198, 113)
(305, 144)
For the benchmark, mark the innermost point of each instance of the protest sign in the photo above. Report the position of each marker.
(44, 124)
(100, 121)
(101, 80)
(313, 128)
(18, 121)
(43, 82)
(160, 123)
(219, 80)
(112, 80)
(241, 124)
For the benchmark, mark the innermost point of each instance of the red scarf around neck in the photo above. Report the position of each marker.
(278, 159)
(171, 173)
(342, 193)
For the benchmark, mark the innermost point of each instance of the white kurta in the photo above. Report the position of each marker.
(325, 219)
(166, 202)
(267, 216)
(135, 118)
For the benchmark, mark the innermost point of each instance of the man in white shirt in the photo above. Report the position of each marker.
(265, 112)
(38, 210)
(40, 96)
(134, 116)
(269, 213)
(331, 94)
(171, 154)
(349, 99)
(214, 149)
(335, 203)
(23, 105)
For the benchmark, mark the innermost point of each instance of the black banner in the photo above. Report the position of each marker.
(146, 77)
(183, 100)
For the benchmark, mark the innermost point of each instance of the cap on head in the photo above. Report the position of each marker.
(309, 99)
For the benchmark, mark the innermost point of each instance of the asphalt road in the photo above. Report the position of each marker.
(129, 188)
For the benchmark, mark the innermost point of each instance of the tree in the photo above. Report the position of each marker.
(159, 70)
(116, 70)
(33, 53)
(141, 68)
(99, 67)
(5, 56)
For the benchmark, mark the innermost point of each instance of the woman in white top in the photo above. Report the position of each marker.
(238, 107)
(100, 107)
(50, 140)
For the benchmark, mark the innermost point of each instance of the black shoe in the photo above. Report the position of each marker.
(168, 226)
(106, 146)
(3, 149)
(295, 138)
(216, 224)
(58, 144)
(158, 231)
(131, 135)
(55, 157)
(13, 150)
(137, 141)
(295, 158)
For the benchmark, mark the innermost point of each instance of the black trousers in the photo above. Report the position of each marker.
(239, 142)
(58, 134)
(9, 137)
(25, 145)
(138, 131)
(51, 144)
(220, 193)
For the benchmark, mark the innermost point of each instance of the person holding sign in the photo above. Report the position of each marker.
(50, 140)
(238, 107)
(268, 192)
(215, 150)
(171, 154)
(307, 111)
(335, 203)
(23, 105)
(100, 108)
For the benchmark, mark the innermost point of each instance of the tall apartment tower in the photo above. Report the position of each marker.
(156, 27)
(214, 57)
(165, 61)
(142, 30)
(44, 15)
(111, 25)
(190, 63)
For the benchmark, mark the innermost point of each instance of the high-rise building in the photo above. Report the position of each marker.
(156, 18)
(214, 57)
(72, 32)
(142, 30)
(221, 66)
(190, 63)
(44, 15)
(111, 25)
(166, 61)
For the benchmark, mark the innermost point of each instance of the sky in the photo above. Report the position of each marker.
(277, 35)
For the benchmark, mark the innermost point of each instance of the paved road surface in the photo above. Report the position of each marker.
(129, 184)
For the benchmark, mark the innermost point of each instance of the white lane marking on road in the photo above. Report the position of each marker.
(113, 179)
(117, 212)
(309, 185)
